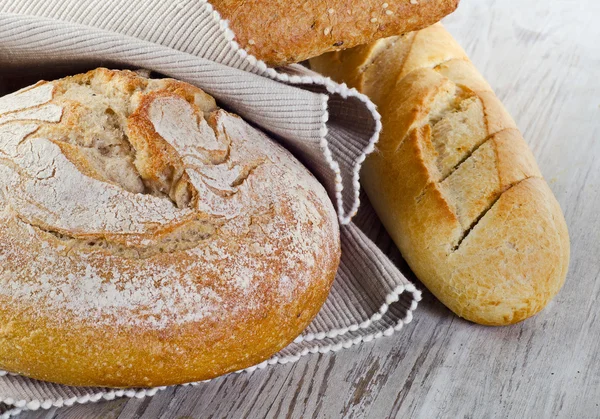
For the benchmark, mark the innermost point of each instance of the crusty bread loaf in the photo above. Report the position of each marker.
(148, 237)
(453, 181)
(288, 31)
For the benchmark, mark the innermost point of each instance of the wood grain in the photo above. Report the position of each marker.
(543, 58)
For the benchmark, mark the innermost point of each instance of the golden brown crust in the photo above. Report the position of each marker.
(454, 182)
(283, 32)
(152, 240)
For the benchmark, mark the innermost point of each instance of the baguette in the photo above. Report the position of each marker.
(283, 32)
(453, 181)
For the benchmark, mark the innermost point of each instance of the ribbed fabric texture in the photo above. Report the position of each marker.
(329, 127)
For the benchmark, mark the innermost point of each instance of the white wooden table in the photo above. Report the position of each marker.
(543, 58)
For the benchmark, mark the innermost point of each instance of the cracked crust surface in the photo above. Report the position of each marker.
(148, 237)
(281, 32)
(453, 180)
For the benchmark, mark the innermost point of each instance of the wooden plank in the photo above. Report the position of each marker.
(543, 58)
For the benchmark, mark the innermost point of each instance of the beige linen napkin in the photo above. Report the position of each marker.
(329, 127)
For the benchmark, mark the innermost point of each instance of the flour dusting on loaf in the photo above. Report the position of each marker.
(136, 204)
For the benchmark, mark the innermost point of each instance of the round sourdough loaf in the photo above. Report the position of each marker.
(148, 237)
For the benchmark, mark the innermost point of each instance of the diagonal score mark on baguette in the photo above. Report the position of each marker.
(469, 154)
(498, 163)
(480, 217)
(455, 131)
(378, 57)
